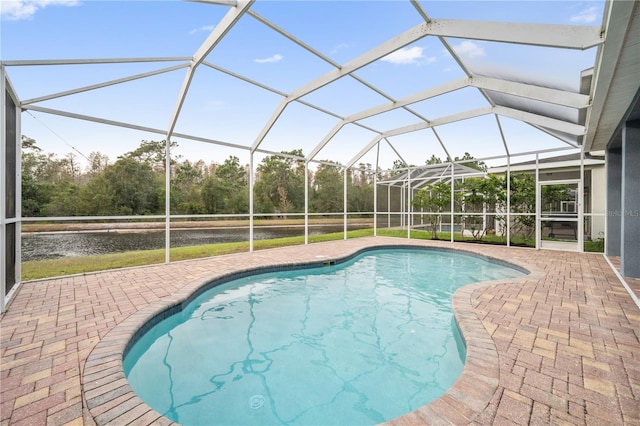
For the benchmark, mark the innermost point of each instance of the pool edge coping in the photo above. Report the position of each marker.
(108, 396)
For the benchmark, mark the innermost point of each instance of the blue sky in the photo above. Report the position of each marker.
(224, 108)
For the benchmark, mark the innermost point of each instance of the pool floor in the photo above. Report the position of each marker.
(313, 346)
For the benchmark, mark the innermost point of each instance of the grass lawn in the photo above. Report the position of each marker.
(78, 265)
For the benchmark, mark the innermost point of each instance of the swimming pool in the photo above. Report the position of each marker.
(360, 342)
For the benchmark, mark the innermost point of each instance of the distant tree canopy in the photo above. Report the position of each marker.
(135, 184)
(153, 153)
(328, 189)
(478, 165)
(279, 184)
(434, 160)
(226, 191)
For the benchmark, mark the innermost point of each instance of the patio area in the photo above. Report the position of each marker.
(561, 345)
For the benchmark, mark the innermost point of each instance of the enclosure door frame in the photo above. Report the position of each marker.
(560, 220)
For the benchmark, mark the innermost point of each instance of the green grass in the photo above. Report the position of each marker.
(446, 236)
(78, 265)
(595, 246)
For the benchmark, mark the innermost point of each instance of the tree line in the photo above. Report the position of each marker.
(135, 184)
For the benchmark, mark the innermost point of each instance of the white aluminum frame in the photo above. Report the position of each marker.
(577, 37)
(5, 297)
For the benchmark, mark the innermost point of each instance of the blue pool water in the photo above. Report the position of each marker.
(361, 342)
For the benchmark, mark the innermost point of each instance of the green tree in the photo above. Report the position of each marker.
(478, 165)
(186, 187)
(279, 185)
(496, 200)
(34, 192)
(128, 187)
(398, 167)
(153, 153)
(46, 179)
(552, 197)
(227, 190)
(523, 203)
(64, 201)
(360, 189)
(96, 198)
(433, 160)
(433, 199)
(213, 195)
(96, 164)
(327, 191)
(481, 196)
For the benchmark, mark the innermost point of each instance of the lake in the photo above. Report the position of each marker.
(52, 245)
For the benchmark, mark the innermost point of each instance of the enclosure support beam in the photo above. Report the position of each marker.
(581, 203)
(442, 145)
(540, 120)
(225, 25)
(306, 203)
(344, 203)
(614, 202)
(251, 209)
(167, 200)
(554, 96)
(549, 35)
(326, 140)
(375, 193)
(104, 84)
(409, 203)
(388, 206)
(398, 42)
(508, 201)
(538, 206)
(453, 193)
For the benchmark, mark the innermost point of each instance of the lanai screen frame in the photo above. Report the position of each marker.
(560, 36)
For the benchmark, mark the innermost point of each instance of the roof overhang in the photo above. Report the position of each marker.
(559, 165)
(616, 77)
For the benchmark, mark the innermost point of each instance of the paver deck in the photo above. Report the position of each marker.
(559, 346)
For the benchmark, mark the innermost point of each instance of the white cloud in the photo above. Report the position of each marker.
(206, 28)
(25, 9)
(406, 55)
(469, 49)
(275, 58)
(339, 47)
(215, 106)
(587, 16)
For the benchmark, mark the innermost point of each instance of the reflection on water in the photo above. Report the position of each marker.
(357, 343)
(40, 246)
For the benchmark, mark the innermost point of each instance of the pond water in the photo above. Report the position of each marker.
(52, 245)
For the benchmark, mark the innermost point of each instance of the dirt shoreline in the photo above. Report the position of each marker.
(146, 226)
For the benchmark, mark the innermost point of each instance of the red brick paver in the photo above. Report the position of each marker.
(561, 345)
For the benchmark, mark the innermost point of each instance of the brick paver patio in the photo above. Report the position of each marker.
(559, 346)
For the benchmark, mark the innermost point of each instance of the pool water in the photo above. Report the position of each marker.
(361, 342)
